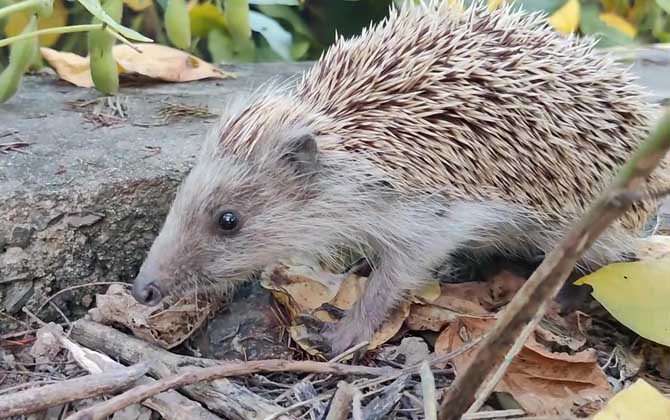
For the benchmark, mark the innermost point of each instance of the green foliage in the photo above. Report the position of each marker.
(284, 30)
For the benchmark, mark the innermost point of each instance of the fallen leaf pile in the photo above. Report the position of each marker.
(155, 61)
(557, 371)
(166, 325)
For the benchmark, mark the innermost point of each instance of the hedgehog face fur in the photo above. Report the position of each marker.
(239, 211)
(435, 132)
(213, 227)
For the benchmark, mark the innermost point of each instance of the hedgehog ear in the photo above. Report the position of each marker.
(302, 152)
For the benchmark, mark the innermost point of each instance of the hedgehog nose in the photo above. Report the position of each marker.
(145, 290)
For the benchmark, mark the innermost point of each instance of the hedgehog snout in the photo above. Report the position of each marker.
(146, 289)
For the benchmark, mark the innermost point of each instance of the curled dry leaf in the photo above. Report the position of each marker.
(551, 373)
(167, 325)
(303, 289)
(155, 61)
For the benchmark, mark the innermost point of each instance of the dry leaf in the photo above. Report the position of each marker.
(541, 381)
(303, 289)
(165, 63)
(156, 61)
(70, 67)
(411, 351)
(167, 325)
(428, 293)
(455, 301)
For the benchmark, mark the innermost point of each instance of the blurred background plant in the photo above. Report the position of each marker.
(234, 31)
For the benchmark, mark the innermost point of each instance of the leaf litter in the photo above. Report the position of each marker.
(580, 363)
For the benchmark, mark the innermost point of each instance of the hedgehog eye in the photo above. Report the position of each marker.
(229, 221)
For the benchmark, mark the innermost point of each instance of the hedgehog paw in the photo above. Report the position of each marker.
(344, 334)
(332, 338)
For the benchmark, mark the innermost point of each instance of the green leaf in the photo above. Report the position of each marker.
(286, 2)
(591, 24)
(279, 39)
(289, 15)
(637, 295)
(224, 50)
(96, 10)
(664, 4)
(547, 6)
(236, 13)
(299, 48)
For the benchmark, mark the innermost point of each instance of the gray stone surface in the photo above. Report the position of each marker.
(84, 202)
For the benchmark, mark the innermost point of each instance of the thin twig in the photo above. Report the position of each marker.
(497, 414)
(429, 392)
(79, 286)
(299, 404)
(531, 300)
(357, 405)
(224, 370)
(337, 358)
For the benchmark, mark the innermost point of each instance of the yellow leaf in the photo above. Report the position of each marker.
(18, 21)
(204, 18)
(138, 5)
(637, 295)
(620, 24)
(493, 4)
(428, 293)
(638, 401)
(566, 19)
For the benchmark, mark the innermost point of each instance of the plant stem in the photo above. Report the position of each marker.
(57, 30)
(17, 7)
(121, 38)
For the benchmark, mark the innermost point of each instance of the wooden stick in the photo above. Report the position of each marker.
(531, 300)
(340, 406)
(171, 405)
(223, 370)
(428, 392)
(38, 399)
(223, 397)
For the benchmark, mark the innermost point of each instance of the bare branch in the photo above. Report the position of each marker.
(41, 398)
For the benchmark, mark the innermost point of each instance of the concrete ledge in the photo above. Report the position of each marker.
(84, 202)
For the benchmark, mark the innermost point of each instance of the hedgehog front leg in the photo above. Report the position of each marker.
(387, 286)
(423, 235)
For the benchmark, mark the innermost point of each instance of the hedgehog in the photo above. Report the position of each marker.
(441, 130)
